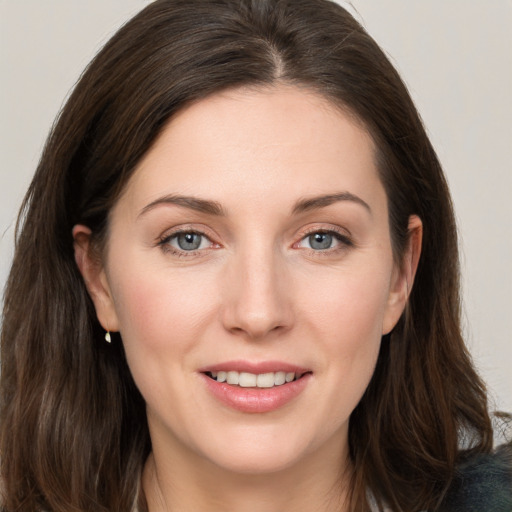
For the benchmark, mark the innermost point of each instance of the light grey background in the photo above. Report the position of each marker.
(456, 57)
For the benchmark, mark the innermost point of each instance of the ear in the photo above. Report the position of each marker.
(92, 269)
(403, 275)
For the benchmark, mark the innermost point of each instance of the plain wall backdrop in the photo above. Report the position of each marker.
(455, 56)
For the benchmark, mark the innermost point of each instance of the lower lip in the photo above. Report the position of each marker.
(256, 400)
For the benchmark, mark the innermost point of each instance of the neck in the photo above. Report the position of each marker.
(318, 482)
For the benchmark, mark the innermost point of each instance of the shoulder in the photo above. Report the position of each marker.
(482, 482)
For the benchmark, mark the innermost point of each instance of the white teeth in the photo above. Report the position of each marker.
(265, 380)
(251, 380)
(280, 378)
(233, 378)
(247, 380)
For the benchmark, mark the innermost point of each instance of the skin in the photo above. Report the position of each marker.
(257, 289)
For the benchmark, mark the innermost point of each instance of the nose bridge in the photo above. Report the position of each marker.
(256, 302)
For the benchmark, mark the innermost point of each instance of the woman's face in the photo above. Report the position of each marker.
(252, 243)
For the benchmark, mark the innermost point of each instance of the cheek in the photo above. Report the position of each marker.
(154, 306)
(349, 305)
(348, 324)
(162, 316)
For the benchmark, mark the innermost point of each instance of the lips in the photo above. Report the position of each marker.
(255, 387)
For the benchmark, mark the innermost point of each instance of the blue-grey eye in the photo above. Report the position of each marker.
(320, 241)
(188, 241)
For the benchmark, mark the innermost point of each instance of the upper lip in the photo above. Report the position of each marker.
(255, 367)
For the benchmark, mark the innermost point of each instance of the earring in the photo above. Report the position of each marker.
(108, 339)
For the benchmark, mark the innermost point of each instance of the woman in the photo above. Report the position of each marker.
(236, 282)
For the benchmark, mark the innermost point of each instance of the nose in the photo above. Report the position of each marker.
(257, 299)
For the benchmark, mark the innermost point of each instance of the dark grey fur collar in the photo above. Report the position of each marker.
(482, 484)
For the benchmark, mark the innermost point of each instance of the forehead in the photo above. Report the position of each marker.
(257, 145)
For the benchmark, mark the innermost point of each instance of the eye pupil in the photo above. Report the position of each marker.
(189, 241)
(320, 241)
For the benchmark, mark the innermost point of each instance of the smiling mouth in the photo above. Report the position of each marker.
(252, 380)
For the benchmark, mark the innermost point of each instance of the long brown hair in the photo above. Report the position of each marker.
(73, 434)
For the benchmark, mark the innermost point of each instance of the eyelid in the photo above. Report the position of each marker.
(324, 228)
(164, 239)
(343, 236)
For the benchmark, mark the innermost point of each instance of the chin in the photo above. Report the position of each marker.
(256, 462)
(259, 451)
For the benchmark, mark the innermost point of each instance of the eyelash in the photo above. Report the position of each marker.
(164, 243)
(343, 239)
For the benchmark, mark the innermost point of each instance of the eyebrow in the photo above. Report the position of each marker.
(214, 208)
(313, 203)
(193, 203)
